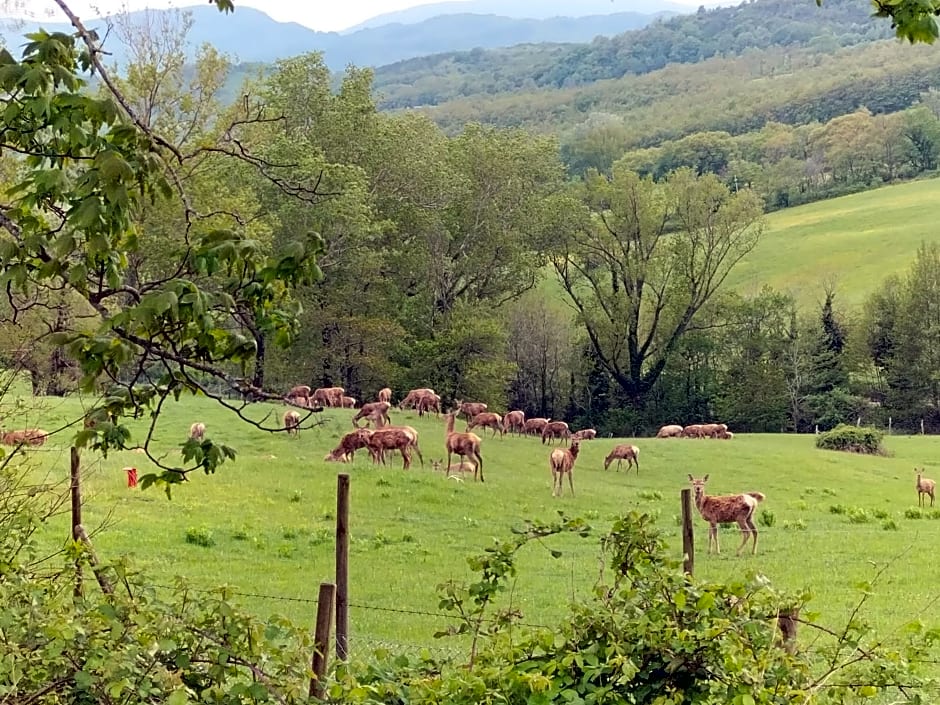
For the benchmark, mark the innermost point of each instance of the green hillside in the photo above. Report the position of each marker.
(854, 241)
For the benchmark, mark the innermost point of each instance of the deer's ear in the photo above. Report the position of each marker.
(691, 479)
(705, 479)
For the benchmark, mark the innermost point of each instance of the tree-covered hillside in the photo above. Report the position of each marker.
(687, 39)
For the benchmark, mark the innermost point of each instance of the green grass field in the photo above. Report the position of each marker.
(271, 517)
(854, 242)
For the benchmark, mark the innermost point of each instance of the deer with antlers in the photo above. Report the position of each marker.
(727, 508)
(466, 445)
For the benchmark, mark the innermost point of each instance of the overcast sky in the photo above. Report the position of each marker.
(323, 16)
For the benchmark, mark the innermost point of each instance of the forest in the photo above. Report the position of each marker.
(575, 276)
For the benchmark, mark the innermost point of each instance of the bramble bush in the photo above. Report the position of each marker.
(853, 439)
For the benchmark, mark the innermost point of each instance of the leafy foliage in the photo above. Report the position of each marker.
(651, 634)
(852, 439)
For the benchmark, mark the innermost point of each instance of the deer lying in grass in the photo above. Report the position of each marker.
(562, 462)
(585, 434)
(622, 452)
(28, 436)
(466, 445)
(455, 470)
(727, 508)
(292, 422)
(925, 486)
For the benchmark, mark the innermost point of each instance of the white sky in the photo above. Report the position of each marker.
(323, 16)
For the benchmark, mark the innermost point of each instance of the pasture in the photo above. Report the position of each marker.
(269, 517)
(854, 241)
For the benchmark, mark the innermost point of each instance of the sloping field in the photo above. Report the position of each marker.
(853, 242)
(829, 520)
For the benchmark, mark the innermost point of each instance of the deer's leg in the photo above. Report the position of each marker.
(571, 481)
(743, 523)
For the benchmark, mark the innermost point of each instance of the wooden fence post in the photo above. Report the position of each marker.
(321, 638)
(688, 539)
(75, 492)
(342, 566)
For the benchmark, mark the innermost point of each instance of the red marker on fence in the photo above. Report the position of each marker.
(131, 476)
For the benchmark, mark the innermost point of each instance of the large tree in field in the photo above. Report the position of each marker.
(646, 259)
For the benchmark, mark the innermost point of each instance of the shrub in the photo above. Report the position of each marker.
(857, 515)
(199, 536)
(914, 513)
(838, 509)
(879, 513)
(766, 518)
(889, 525)
(852, 439)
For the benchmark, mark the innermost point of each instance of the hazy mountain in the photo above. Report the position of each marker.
(526, 9)
(249, 35)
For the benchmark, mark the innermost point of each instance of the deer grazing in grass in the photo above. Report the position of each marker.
(487, 419)
(622, 452)
(374, 411)
(727, 508)
(466, 445)
(348, 445)
(555, 429)
(292, 422)
(925, 486)
(562, 462)
(385, 394)
(400, 438)
(197, 431)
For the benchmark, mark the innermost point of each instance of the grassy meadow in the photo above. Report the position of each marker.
(853, 241)
(270, 518)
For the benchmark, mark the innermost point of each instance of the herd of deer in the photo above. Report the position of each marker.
(384, 437)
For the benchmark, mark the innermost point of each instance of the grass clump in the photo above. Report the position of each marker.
(199, 536)
(766, 518)
(852, 439)
(914, 513)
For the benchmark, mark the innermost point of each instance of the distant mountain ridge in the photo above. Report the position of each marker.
(251, 36)
(520, 9)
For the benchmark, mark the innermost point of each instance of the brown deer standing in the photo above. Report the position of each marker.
(466, 445)
(514, 422)
(385, 394)
(925, 486)
(392, 439)
(726, 508)
(562, 462)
